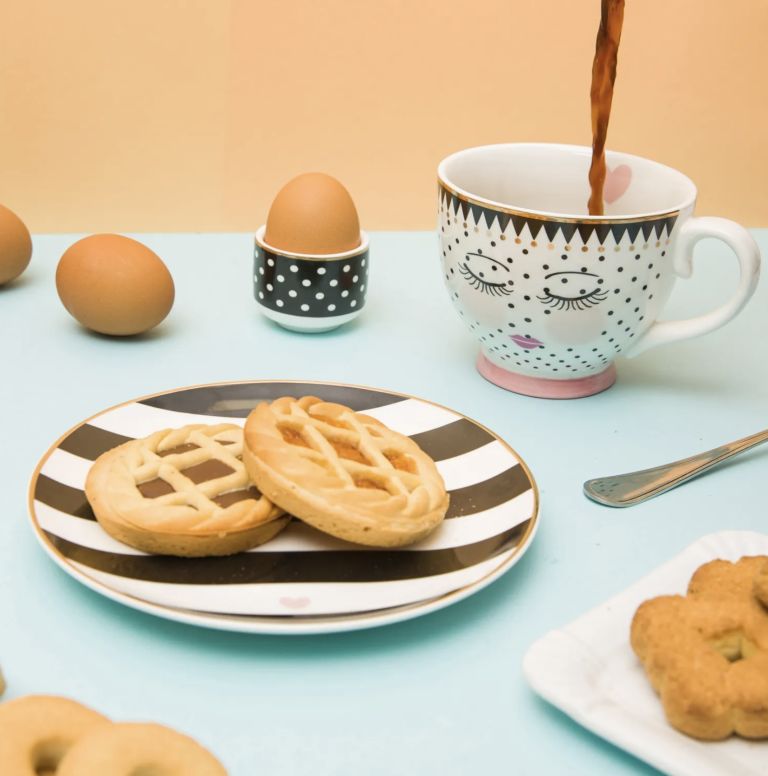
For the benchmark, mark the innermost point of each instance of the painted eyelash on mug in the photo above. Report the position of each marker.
(494, 289)
(477, 282)
(578, 303)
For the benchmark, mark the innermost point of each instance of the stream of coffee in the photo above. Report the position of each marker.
(601, 95)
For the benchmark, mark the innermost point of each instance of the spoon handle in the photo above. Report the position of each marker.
(623, 490)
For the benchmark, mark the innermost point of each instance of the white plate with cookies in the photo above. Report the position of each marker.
(589, 668)
(333, 507)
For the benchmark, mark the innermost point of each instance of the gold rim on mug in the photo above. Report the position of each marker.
(536, 215)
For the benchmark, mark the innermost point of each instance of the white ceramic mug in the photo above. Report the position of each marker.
(554, 295)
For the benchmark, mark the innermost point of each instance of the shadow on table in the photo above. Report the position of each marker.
(163, 330)
(29, 278)
(673, 378)
(341, 331)
(504, 595)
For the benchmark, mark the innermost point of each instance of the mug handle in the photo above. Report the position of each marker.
(742, 244)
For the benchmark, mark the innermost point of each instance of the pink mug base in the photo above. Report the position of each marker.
(543, 387)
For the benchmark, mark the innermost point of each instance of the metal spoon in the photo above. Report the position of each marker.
(624, 490)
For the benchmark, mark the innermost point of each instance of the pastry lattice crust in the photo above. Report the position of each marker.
(182, 491)
(706, 653)
(345, 473)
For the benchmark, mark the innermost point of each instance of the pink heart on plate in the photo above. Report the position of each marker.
(617, 182)
(294, 602)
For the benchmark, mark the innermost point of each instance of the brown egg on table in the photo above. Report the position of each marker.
(311, 257)
(314, 214)
(15, 246)
(114, 285)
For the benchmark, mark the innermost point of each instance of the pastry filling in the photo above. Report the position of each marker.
(201, 472)
(234, 496)
(293, 437)
(348, 452)
(364, 482)
(185, 448)
(155, 488)
(400, 461)
(207, 470)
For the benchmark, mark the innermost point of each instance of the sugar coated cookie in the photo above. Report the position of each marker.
(706, 653)
(182, 491)
(761, 584)
(345, 473)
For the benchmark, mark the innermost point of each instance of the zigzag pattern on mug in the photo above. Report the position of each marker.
(648, 227)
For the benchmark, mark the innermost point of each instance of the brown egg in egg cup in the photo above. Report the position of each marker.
(310, 292)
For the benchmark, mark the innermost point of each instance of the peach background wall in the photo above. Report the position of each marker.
(188, 115)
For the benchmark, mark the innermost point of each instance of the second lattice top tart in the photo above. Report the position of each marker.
(344, 473)
(182, 491)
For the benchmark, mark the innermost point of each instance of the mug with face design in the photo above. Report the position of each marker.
(554, 295)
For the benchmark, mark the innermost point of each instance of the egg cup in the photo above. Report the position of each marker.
(310, 293)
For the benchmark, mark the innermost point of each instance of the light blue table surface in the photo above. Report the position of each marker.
(441, 694)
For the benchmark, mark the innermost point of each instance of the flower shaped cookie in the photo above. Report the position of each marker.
(761, 584)
(706, 653)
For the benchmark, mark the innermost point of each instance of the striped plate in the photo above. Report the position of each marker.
(302, 581)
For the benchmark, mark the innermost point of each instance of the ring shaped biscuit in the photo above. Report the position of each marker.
(344, 473)
(36, 732)
(182, 491)
(133, 749)
(706, 653)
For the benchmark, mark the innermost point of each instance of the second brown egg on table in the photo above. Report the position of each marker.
(311, 257)
(114, 285)
(15, 246)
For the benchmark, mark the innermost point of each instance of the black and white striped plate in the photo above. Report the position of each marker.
(302, 581)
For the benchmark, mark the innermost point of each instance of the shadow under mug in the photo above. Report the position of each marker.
(553, 295)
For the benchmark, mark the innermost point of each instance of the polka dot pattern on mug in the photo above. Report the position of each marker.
(549, 299)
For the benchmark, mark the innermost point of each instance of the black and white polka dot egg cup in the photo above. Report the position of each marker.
(307, 293)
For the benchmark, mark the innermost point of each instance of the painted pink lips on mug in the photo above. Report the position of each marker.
(529, 343)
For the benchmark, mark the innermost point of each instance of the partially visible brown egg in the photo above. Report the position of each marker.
(313, 214)
(114, 285)
(15, 246)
